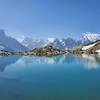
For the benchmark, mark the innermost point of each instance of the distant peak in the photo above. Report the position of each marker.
(51, 39)
(90, 37)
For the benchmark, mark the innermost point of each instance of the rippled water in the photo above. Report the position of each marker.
(64, 77)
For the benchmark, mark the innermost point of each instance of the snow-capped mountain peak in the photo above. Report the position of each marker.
(90, 37)
(32, 43)
(50, 40)
(55, 42)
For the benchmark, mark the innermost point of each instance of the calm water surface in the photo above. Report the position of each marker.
(64, 77)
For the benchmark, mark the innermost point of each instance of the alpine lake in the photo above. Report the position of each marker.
(62, 77)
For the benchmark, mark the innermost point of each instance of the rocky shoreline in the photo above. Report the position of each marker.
(45, 51)
(92, 48)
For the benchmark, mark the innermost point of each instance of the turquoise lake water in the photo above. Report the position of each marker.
(64, 77)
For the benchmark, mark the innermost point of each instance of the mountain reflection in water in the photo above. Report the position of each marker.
(47, 60)
(7, 60)
(89, 61)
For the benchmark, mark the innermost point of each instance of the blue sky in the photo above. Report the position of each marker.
(49, 18)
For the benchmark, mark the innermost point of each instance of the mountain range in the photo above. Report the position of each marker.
(11, 44)
(55, 42)
(63, 43)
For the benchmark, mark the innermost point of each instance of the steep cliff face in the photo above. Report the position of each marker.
(10, 44)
